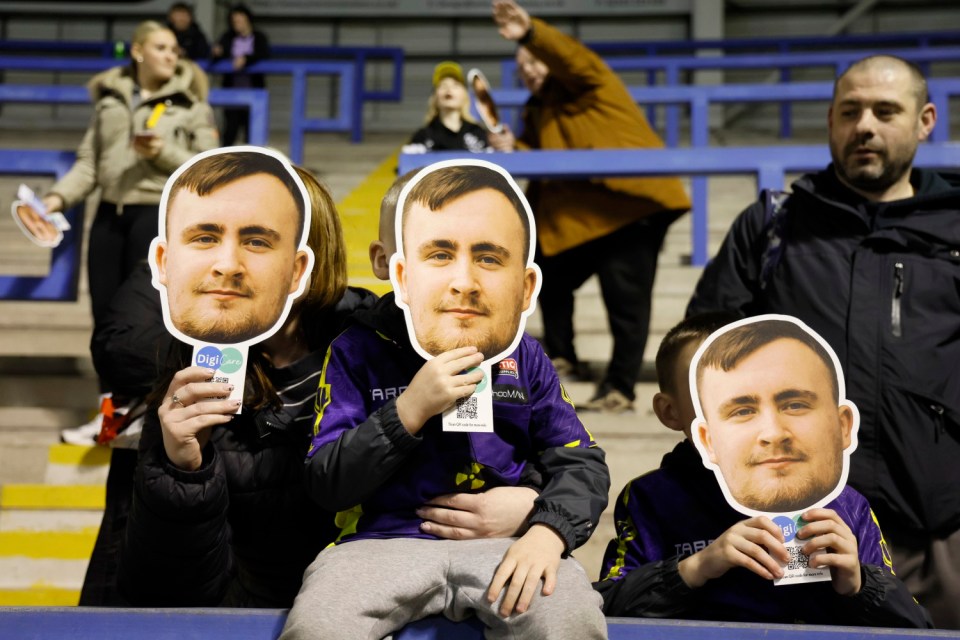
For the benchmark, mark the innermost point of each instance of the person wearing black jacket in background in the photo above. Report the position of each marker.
(193, 42)
(244, 46)
(449, 125)
(867, 253)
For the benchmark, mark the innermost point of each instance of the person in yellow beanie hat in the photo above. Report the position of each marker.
(449, 125)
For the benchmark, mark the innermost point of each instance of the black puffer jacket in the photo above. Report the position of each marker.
(881, 283)
(240, 530)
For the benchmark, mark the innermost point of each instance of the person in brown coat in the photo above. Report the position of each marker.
(613, 227)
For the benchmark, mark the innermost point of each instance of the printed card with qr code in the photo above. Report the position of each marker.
(797, 570)
(475, 412)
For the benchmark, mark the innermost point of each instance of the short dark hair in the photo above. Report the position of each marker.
(209, 174)
(920, 91)
(728, 349)
(180, 6)
(693, 329)
(444, 185)
(239, 7)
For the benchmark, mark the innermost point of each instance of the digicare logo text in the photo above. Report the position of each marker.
(229, 360)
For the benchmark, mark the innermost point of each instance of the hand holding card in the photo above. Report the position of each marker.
(31, 215)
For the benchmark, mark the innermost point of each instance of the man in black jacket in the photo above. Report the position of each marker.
(867, 253)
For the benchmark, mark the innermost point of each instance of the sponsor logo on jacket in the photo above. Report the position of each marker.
(387, 393)
(509, 394)
(685, 549)
(508, 367)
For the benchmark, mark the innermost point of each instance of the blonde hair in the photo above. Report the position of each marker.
(433, 111)
(144, 29)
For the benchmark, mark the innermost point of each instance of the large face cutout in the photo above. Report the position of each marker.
(231, 255)
(464, 272)
(483, 101)
(772, 421)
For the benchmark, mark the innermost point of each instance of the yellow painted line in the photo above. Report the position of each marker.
(46, 496)
(74, 455)
(360, 216)
(39, 595)
(48, 545)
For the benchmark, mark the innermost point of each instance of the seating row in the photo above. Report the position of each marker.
(348, 114)
(359, 56)
(673, 68)
(769, 164)
(699, 98)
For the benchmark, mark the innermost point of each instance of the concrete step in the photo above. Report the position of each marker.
(72, 465)
(50, 508)
(47, 532)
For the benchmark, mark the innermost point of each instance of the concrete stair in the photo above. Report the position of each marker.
(47, 530)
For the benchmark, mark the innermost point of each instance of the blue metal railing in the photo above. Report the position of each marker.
(784, 44)
(95, 623)
(699, 98)
(769, 164)
(348, 117)
(672, 68)
(257, 100)
(358, 55)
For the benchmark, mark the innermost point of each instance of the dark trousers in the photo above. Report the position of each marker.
(930, 567)
(234, 120)
(118, 243)
(625, 262)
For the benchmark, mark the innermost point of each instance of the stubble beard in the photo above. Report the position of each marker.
(864, 178)
(791, 494)
(487, 342)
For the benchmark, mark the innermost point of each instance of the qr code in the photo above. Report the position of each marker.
(467, 408)
(797, 559)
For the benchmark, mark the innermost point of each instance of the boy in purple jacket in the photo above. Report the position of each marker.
(379, 454)
(682, 551)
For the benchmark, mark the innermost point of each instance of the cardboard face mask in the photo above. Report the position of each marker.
(231, 254)
(773, 425)
(464, 272)
(483, 101)
(772, 421)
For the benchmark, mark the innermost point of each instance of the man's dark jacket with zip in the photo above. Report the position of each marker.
(881, 283)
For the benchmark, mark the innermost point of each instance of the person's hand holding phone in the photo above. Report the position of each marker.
(147, 144)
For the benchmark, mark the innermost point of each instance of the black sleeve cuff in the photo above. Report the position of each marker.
(527, 36)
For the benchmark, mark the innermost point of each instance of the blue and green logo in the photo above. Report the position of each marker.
(229, 360)
(788, 527)
(483, 381)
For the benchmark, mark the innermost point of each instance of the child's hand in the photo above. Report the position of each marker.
(827, 532)
(755, 544)
(534, 556)
(437, 385)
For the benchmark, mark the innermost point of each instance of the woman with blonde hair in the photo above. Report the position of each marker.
(449, 125)
(150, 116)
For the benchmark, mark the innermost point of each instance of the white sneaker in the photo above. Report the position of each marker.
(85, 435)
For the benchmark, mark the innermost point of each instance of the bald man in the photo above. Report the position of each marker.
(867, 253)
